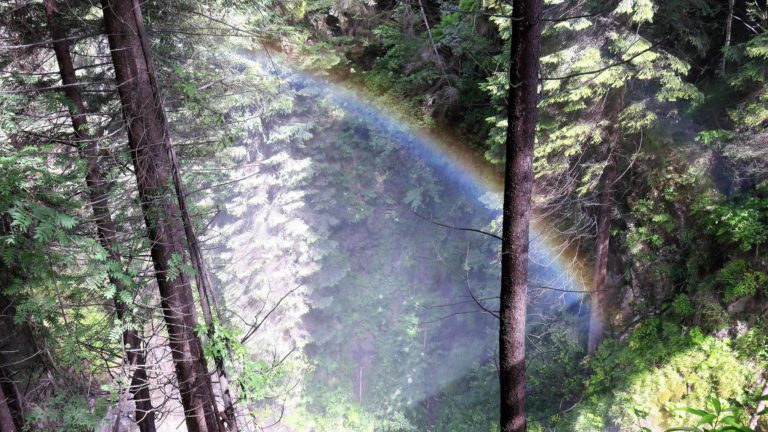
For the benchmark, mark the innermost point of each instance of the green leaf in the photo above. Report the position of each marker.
(707, 419)
(716, 404)
(694, 411)
(736, 429)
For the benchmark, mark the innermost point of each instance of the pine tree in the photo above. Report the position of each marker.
(522, 113)
(149, 143)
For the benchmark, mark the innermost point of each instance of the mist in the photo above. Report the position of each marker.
(333, 258)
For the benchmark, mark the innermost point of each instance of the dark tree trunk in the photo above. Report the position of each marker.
(18, 352)
(87, 144)
(6, 418)
(600, 295)
(599, 289)
(150, 150)
(518, 184)
(208, 303)
(11, 399)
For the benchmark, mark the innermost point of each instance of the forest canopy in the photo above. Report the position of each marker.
(383, 215)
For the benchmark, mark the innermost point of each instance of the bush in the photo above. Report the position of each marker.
(659, 368)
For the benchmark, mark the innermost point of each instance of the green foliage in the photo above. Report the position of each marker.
(722, 418)
(684, 244)
(255, 379)
(682, 306)
(658, 369)
(714, 137)
(739, 280)
(67, 412)
(740, 222)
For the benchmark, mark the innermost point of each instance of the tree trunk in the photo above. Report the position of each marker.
(17, 350)
(599, 295)
(518, 184)
(755, 418)
(87, 144)
(728, 32)
(6, 418)
(208, 303)
(150, 150)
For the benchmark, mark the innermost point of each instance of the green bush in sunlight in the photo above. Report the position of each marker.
(721, 418)
(660, 368)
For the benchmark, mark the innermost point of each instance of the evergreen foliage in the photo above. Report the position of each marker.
(300, 131)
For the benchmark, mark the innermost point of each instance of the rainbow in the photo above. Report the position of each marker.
(565, 268)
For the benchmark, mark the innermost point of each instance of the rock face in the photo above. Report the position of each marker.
(740, 305)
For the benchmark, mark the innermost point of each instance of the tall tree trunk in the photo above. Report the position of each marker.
(208, 303)
(599, 295)
(150, 150)
(17, 351)
(6, 418)
(728, 32)
(518, 184)
(88, 148)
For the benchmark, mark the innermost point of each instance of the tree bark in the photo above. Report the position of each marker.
(728, 32)
(599, 295)
(149, 144)
(88, 149)
(18, 350)
(208, 303)
(755, 418)
(6, 418)
(518, 184)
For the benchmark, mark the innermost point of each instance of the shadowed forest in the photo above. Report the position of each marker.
(383, 215)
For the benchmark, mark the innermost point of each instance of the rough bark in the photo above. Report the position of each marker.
(150, 151)
(208, 303)
(88, 149)
(518, 183)
(18, 352)
(6, 418)
(599, 295)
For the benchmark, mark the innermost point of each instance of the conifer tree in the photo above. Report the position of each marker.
(88, 148)
(518, 184)
(149, 143)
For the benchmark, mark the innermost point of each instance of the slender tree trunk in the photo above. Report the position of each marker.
(12, 399)
(208, 303)
(438, 59)
(17, 348)
(6, 418)
(728, 32)
(599, 295)
(518, 184)
(150, 150)
(755, 419)
(97, 193)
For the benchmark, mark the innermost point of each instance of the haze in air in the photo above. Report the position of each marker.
(389, 216)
